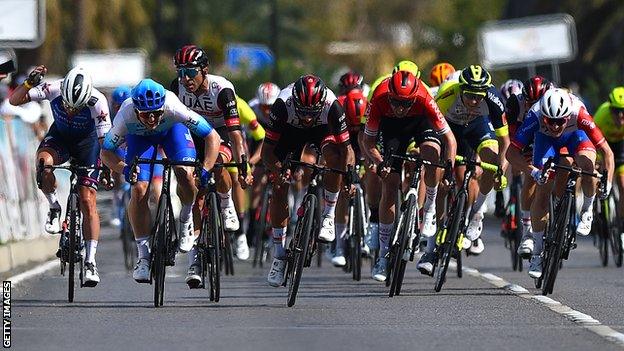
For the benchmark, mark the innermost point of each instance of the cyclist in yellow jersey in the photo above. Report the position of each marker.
(610, 119)
(475, 112)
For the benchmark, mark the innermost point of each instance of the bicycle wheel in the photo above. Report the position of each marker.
(449, 242)
(159, 252)
(260, 229)
(602, 232)
(73, 254)
(228, 254)
(554, 245)
(400, 261)
(127, 241)
(299, 247)
(214, 233)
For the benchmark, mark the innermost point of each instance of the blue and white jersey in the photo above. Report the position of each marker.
(126, 122)
(93, 117)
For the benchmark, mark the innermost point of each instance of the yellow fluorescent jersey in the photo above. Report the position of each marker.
(604, 121)
(452, 107)
(248, 118)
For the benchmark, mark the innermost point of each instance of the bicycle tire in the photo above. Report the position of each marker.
(214, 248)
(450, 242)
(260, 230)
(358, 225)
(603, 240)
(300, 245)
(228, 253)
(404, 231)
(159, 258)
(555, 245)
(74, 218)
(127, 240)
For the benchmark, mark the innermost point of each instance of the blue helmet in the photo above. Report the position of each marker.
(148, 95)
(121, 93)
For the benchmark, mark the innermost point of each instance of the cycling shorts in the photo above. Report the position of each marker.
(293, 140)
(225, 149)
(176, 142)
(158, 169)
(471, 135)
(618, 155)
(397, 133)
(83, 151)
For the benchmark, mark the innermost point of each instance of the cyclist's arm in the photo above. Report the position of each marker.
(226, 100)
(275, 126)
(248, 118)
(586, 123)
(524, 136)
(113, 139)
(435, 116)
(98, 105)
(499, 121)
(371, 129)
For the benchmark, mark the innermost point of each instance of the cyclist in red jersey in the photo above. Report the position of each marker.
(402, 109)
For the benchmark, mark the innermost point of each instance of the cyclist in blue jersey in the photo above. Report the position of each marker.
(81, 118)
(118, 96)
(155, 116)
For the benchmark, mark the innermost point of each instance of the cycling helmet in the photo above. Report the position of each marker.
(407, 65)
(309, 93)
(355, 105)
(403, 85)
(616, 98)
(267, 93)
(556, 104)
(76, 88)
(148, 95)
(190, 56)
(121, 93)
(535, 87)
(350, 80)
(439, 73)
(511, 87)
(475, 79)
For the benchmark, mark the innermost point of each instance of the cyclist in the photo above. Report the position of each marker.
(306, 112)
(473, 108)
(402, 109)
(610, 119)
(439, 73)
(509, 88)
(156, 117)
(354, 104)
(81, 118)
(214, 98)
(558, 120)
(118, 96)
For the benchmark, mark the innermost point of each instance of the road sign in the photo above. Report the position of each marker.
(110, 69)
(528, 41)
(252, 56)
(22, 23)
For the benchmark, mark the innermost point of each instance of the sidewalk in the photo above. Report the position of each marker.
(21, 253)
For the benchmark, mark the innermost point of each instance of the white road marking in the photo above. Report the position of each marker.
(584, 320)
(42, 268)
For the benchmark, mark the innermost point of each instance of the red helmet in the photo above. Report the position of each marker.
(403, 85)
(309, 93)
(350, 80)
(190, 56)
(354, 106)
(535, 87)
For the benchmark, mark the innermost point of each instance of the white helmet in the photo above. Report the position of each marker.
(556, 103)
(267, 93)
(76, 88)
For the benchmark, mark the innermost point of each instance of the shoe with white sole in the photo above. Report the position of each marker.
(187, 237)
(276, 274)
(230, 219)
(242, 249)
(141, 271)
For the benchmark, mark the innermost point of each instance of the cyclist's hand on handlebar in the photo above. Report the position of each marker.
(131, 175)
(500, 182)
(603, 195)
(204, 177)
(282, 178)
(537, 176)
(383, 169)
(106, 180)
(35, 77)
(245, 181)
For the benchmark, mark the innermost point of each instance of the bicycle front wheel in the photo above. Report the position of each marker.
(449, 242)
(554, 245)
(400, 260)
(74, 243)
(299, 248)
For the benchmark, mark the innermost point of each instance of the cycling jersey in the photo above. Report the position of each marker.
(604, 120)
(127, 122)
(354, 114)
(248, 118)
(254, 104)
(579, 119)
(290, 132)
(423, 107)
(217, 104)
(450, 102)
(93, 117)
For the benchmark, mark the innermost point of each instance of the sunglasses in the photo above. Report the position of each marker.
(617, 111)
(400, 103)
(148, 114)
(556, 121)
(190, 72)
(473, 95)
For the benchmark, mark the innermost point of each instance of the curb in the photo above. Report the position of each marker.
(16, 254)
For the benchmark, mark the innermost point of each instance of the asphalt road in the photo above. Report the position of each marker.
(332, 312)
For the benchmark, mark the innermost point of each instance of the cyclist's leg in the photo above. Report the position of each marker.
(430, 147)
(223, 181)
(543, 149)
(52, 151)
(584, 153)
(240, 204)
(85, 153)
(335, 158)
